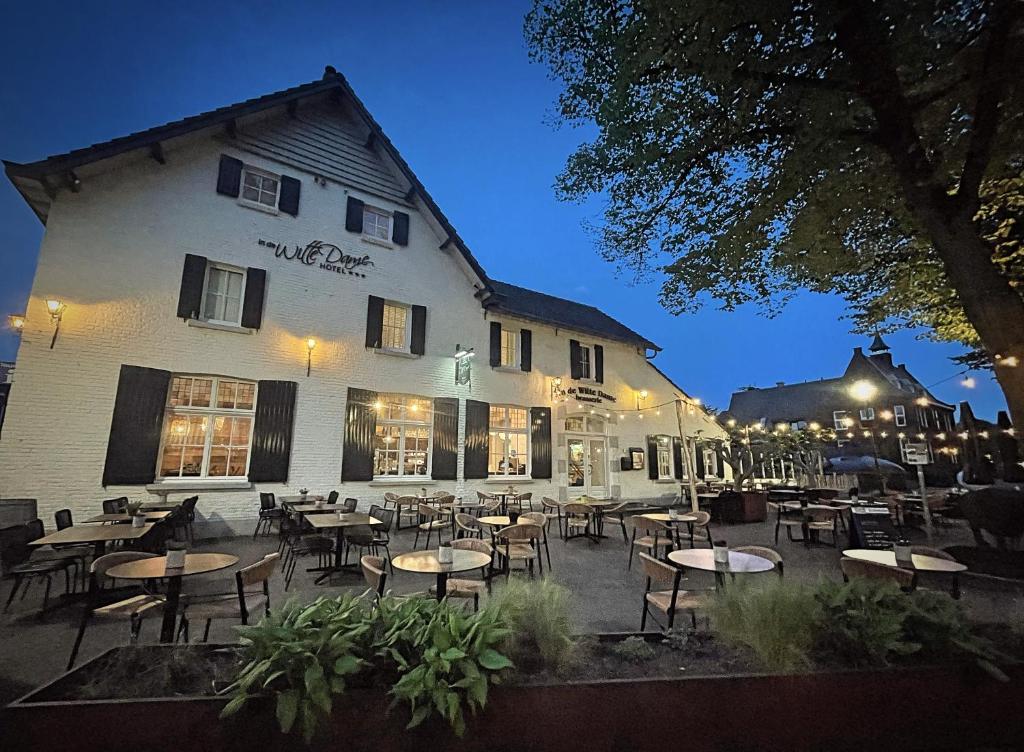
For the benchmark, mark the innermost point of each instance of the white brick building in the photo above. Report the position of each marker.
(174, 253)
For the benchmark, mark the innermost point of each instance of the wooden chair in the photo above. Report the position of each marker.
(240, 604)
(577, 520)
(553, 511)
(786, 518)
(431, 519)
(519, 542)
(117, 607)
(541, 520)
(765, 553)
(374, 574)
(668, 601)
(698, 530)
(466, 526)
(462, 587)
(938, 553)
(905, 578)
(652, 536)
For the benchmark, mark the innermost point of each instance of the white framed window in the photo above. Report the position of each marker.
(586, 370)
(900, 414)
(223, 290)
(839, 420)
(508, 453)
(585, 424)
(401, 446)
(207, 428)
(867, 414)
(509, 348)
(260, 188)
(664, 445)
(377, 224)
(396, 331)
(710, 463)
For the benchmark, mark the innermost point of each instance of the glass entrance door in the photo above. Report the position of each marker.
(588, 466)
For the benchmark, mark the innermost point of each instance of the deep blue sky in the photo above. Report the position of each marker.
(451, 84)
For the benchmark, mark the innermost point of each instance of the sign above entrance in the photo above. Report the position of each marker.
(325, 256)
(586, 394)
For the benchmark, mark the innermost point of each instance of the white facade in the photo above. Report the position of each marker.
(113, 253)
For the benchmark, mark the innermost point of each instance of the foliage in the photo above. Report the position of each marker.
(132, 507)
(749, 445)
(776, 621)
(633, 649)
(677, 639)
(539, 615)
(750, 149)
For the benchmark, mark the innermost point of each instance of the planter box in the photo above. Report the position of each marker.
(944, 708)
(746, 506)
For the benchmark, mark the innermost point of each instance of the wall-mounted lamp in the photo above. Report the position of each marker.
(557, 393)
(640, 397)
(56, 309)
(310, 346)
(16, 321)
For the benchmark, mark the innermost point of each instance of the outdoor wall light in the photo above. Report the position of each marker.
(56, 309)
(922, 401)
(310, 346)
(814, 426)
(1010, 361)
(863, 390)
(557, 393)
(16, 321)
(640, 396)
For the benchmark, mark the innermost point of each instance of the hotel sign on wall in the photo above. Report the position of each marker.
(324, 256)
(586, 394)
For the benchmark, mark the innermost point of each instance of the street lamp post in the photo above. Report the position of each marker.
(863, 390)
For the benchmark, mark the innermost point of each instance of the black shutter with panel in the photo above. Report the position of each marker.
(699, 460)
(193, 277)
(418, 341)
(652, 457)
(288, 201)
(354, 215)
(677, 456)
(495, 344)
(599, 364)
(252, 303)
(400, 228)
(272, 430)
(444, 465)
(135, 426)
(229, 177)
(526, 350)
(374, 321)
(540, 442)
(575, 360)
(478, 416)
(360, 427)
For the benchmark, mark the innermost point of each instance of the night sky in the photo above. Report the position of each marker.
(451, 84)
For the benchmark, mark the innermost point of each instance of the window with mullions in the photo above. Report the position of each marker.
(395, 327)
(665, 458)
(207, 428)
(508, 439)
(260, 188)
(509, 349)
(401, 446)
(223, 293)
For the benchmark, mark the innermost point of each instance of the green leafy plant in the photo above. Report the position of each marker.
(132, 508)
(677, 639)
(539, 615)
(777, 621)
(633, 649)
(302, 655)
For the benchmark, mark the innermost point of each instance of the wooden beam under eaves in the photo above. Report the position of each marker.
(156, 151)
(371, 141)
(447, 242)
(410, 195)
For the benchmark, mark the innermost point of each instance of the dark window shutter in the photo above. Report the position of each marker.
(652, 457)
(526, 350)
(252, 303)
(360, 427)
(135, 426)
(540, 442)
(478, 416)
(418, 341)
(374, 321)
(229, 177)
(288, 201)
(677, 456)
(495, 344)
(444, 465)
(575, 364)
(699, 460)
(272, 431)
(354, 215)
(599, 364)
(400, 228)
(193, 277)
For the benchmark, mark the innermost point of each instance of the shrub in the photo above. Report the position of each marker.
(633, 649)
(539, 615)
(776, 621)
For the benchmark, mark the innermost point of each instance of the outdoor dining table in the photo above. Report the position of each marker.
(123, 517)
(300, 499)
(426, 562)
(920, 562)
(704, 560)
(156, 568)
(314, 509)
(339, 522)
(496, 520)
(98, 535)
(161, 506)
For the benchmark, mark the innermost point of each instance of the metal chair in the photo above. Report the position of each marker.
(374, 574)
(519, 542)
(115, 506)
(905, 578)
(17, 562)
(269, 514)
(431, 519)
(467, 526)
(240, 604)
(349, 505)
(652, 536)
(765, 553)
(553, 511)
(577, 520)
(541, 520)
(668, 601)
(462, 587)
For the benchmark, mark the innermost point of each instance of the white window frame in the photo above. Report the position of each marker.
(407, 339)
(867, 414)
(210, 266)
(408, 419)
(663, 451)
(839, 420)
(586, 362)
(389, 221)
(263, 175)
(516, 348)
(507, 430)
(899, 413)
(211, 413)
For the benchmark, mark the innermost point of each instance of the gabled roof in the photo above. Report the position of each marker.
(808, 400)
(559, 312)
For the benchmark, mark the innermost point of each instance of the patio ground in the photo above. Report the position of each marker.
(607, 595)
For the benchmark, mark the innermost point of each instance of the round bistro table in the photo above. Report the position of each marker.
(156, 569)
(426, 562)
(497, 520)
(920, 562)
(704, 559)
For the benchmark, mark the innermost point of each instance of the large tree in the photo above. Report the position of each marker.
(872, 148)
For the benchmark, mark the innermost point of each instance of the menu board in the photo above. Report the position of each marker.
(871, 527)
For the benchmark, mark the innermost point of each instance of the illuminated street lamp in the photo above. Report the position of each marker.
(863, 391)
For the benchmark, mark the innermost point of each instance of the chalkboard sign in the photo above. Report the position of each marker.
(871, 527)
